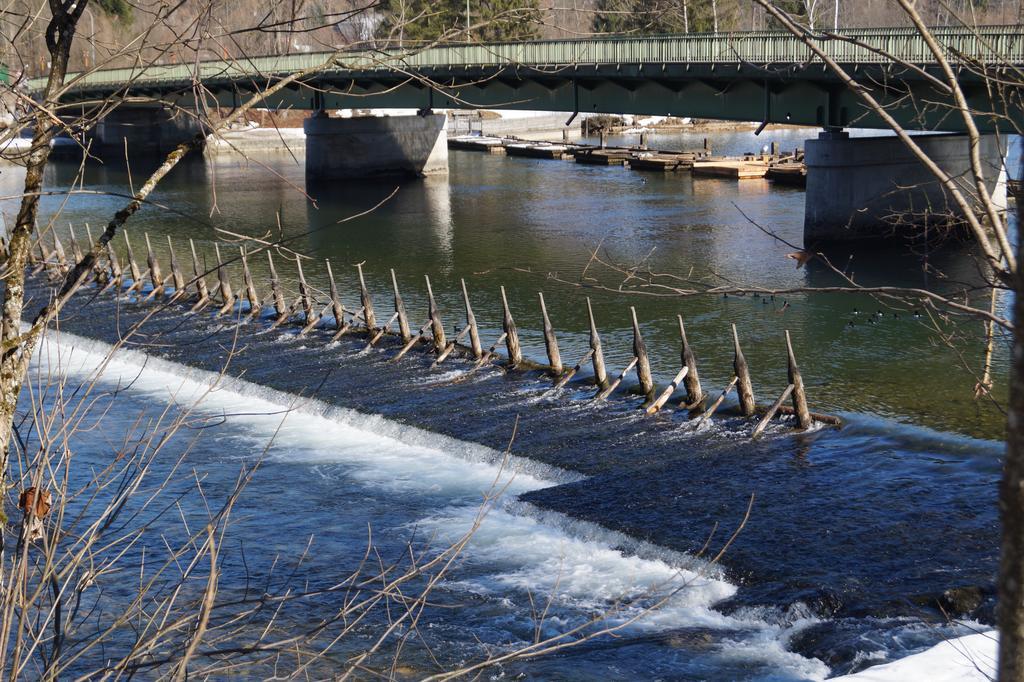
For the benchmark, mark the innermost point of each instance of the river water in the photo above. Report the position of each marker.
(853, 532)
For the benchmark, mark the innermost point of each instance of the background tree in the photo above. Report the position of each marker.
(410, 22)
(665, 16)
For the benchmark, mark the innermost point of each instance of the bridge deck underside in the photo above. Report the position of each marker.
(778, 93)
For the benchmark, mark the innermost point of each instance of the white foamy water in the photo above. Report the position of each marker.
(581, 568)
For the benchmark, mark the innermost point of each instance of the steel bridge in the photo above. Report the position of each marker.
(760, 76)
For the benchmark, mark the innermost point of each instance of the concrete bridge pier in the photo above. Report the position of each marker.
(373, 146)
(147, 129)
(863, 188)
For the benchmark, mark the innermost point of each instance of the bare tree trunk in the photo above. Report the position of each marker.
(1011, 510)
(59, 34)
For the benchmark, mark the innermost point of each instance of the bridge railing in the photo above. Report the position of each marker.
(986, 45)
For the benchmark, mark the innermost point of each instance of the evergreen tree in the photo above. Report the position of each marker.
(119, 9)
(418, 21)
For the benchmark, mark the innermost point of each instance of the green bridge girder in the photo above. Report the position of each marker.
(762, 76)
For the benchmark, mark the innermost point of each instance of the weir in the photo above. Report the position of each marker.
(172, 292)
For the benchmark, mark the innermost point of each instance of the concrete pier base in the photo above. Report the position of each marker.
(372, 146)
(863, 188)
(144, 129)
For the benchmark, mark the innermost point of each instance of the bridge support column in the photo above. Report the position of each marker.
(874, 187)
(372, 146)
(144, 129)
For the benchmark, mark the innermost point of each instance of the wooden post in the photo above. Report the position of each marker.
(382, 331)
(290, 310)
(744, 387)
(250, 286)
(601, 395)
(155, 277)
(474, 331)
(451, 346)
(761, 425)
(576, 368)
(403, 319)
(97, 269)
(226, 295)
(347, 326)
(714, 406)
(133, 267)
(643, 365)
(412, 342)
(508, 325)
(44, 251)
(490, 351)
(550, 341)
(176, 276)
(816, 416)
(600, 374)
(436, 327)
(694, 393)
(669, 390)
(337, 309)
(308, 316)
(76, 250)
(364, 299)
(58, 249)
(45, 257)
(115, 267)
(803, 415)
(202, 291)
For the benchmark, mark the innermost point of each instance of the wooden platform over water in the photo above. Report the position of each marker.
(662, 161)
(610, 156)
(475, 143)
(787, 169)
(540, 150)
(794, 174)
(730, 168)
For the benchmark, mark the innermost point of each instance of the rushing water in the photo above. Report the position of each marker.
(852, 534)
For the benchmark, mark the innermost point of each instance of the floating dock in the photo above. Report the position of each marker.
(784, 168)
(609, 156)
(661, 161)
(475, 143)
(794, 174)
(540, 150)
(730, 168)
